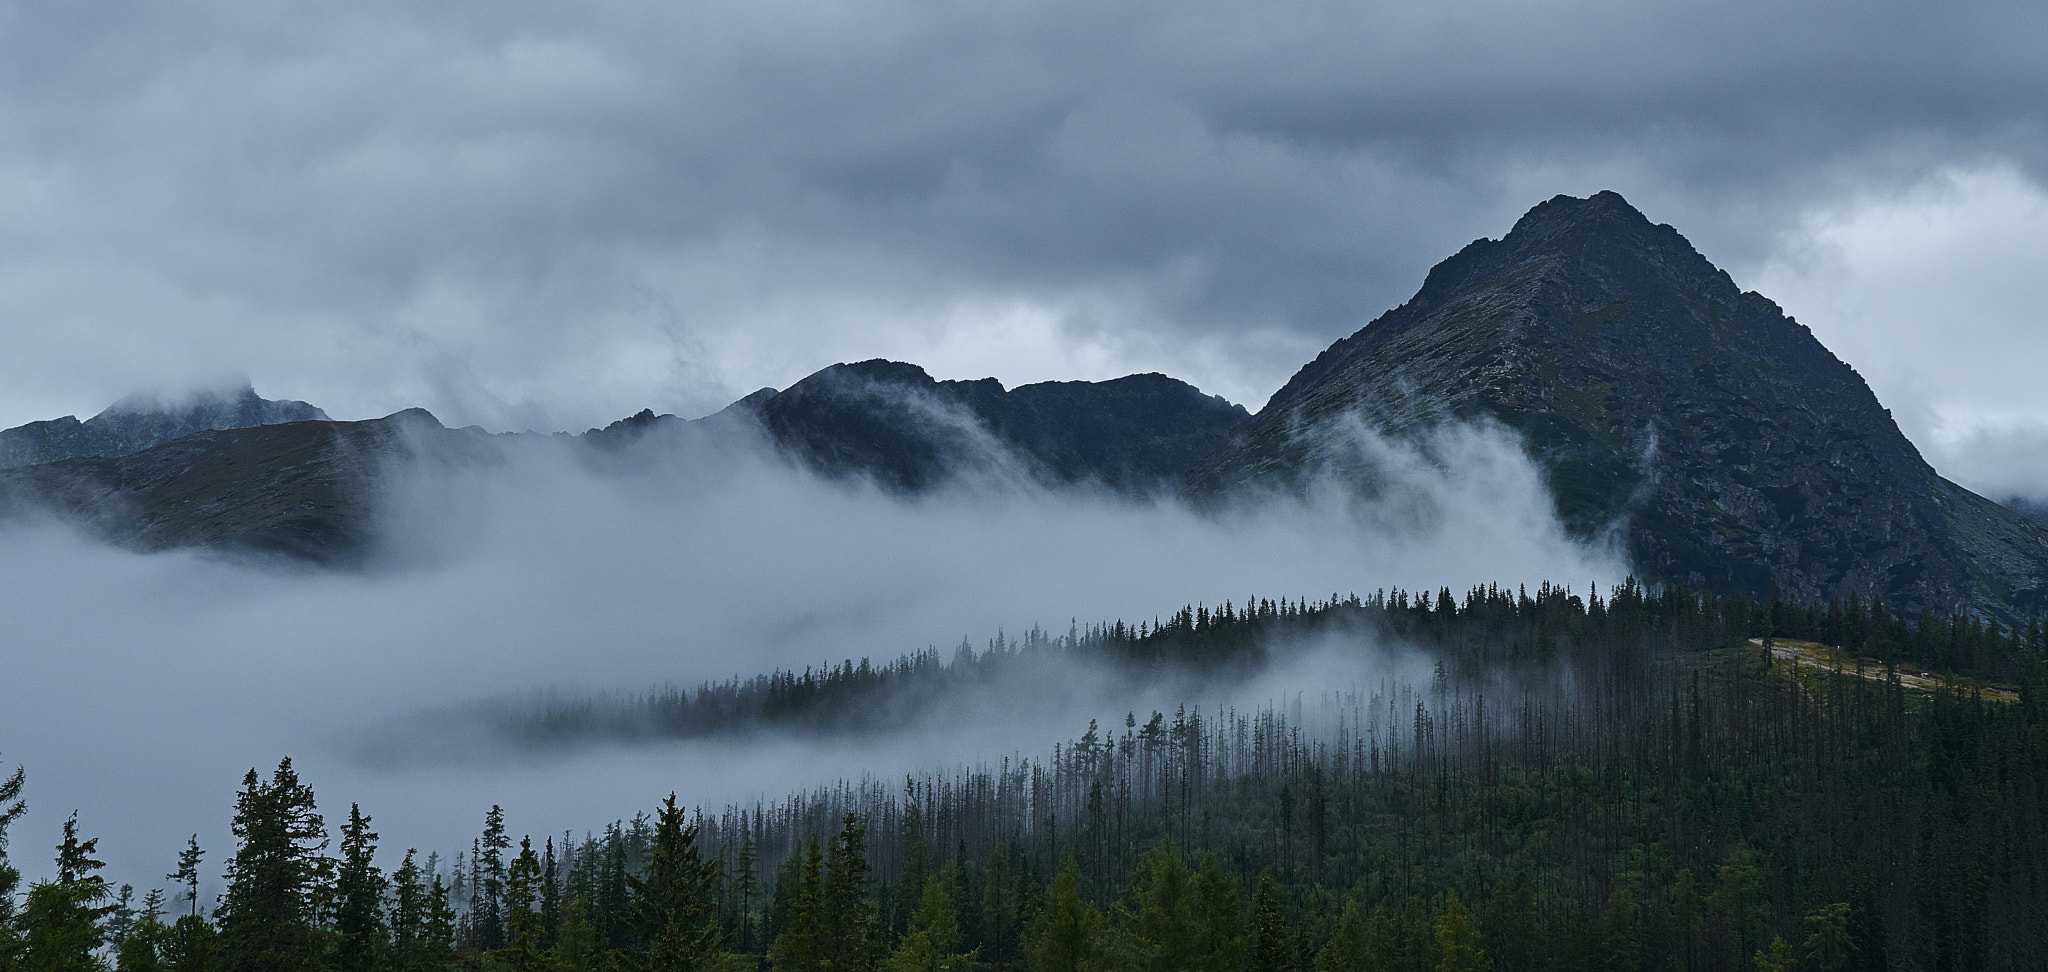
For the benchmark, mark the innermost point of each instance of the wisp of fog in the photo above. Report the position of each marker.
(140, 688)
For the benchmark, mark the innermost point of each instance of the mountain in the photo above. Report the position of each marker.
(304, 490)
(307, 489)
(893, 422)
(138, 422)
(1713, 436)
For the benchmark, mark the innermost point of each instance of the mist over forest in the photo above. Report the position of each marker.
(544, 573)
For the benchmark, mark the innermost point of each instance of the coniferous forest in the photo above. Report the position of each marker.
(1632, 782)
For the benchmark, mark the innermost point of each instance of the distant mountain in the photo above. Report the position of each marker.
(893, 422)
(1716, 437)
(139, 422)
(306, 489)
(302, 489)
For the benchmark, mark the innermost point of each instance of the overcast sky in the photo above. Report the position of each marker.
(549, 215)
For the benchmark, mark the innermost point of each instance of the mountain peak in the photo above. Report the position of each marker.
(1714, 435)
(140, 421)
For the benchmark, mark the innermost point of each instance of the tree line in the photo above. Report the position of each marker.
(1584, 783)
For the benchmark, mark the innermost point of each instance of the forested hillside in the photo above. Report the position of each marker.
(1585, 783)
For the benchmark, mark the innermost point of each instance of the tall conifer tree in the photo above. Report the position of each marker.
(266, 917)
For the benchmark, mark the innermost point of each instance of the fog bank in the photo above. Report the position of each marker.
(140, 688)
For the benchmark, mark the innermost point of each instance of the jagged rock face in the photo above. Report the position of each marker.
(139, 422)
(894, 423)
(303, 489)
(1728, 448)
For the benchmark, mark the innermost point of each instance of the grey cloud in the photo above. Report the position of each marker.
(528, 214)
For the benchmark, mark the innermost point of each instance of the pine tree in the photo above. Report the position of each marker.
(799, 945)
(1156, 927)
(487, 884)
(191, 946)
(1272, 948)
(408, 914)
(847, 920)
(745, 886)
(11, 809)
(437, 941)
(932, 940)
(1066, 936)
(1220, 933)
(359, 929)
(550, 895)
(141, 949)
(1350, 947)
(1457, 942)
(266, 917)
(523, 951)
(1827, 946)
(62, 919)
(187, 873)
(675, 898)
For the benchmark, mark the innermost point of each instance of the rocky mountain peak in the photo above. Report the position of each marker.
(1697, 423)
(140, 421)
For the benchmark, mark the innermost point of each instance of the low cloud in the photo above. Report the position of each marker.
(141, 687)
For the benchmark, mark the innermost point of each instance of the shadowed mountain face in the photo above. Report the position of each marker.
(894, 423)
(305, 490)
(1696, 423)
(139, 422)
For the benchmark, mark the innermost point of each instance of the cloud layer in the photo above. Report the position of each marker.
(139, 688)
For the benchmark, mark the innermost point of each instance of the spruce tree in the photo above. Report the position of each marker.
(1066, 936)
(1457, 942)
(1272, 948)
(675, 898)
(192, 945)
(932, 941)
(487, 891)
(141, 949)
(847, 917)
(799, 944)
(359, 928)
(11, 809)
(62, 919)
(266, 917)
(187, 873)
(408, 914)
(1156, 926)
(523, 951)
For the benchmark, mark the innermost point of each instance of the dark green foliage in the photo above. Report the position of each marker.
(359, 936)
(11, 809)
(267, 917)
(1067, 934)
(1615, 783)
(141, 946)
(62, 920)
(674, 899)
(931, 943)
(524, 949)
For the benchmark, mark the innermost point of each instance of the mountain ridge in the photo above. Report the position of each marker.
(1713, 435)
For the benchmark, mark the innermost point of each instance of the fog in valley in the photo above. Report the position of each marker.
(144, 686)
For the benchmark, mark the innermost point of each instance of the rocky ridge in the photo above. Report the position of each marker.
(1711, 434)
